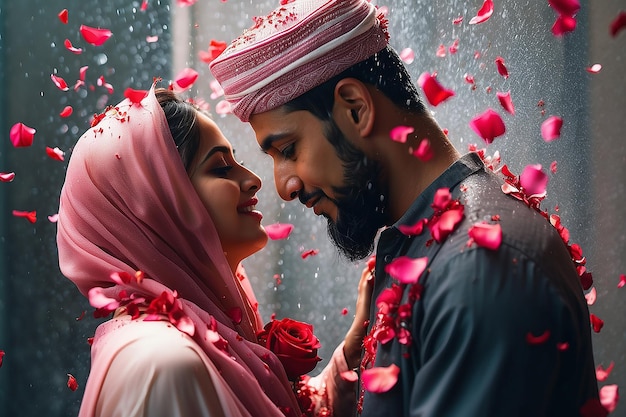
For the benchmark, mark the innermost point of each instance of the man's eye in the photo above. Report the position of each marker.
(288, 151)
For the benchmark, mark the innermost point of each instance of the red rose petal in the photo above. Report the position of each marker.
(56, 153)
(95, 36)
(82, 72)
(534, 180)
(71, 382)
(31, 216)
(454, 48)
(2, 353)
(457, 21)
(486, 235)
(435, 93)
(483, 14)
(215, 49)
(71, 48)
(553, 167)
(279, 231)
(506, 102)
(531, 339)
(596, 323)
(186, 78)
(235, 314)
(67, 111)
(310, 252)
(144, 5)
(602, 374)
(563, 24)
(609, 395)
(22, 135)
(63, 16)
(407, 55)
(59, 82)
(344, 311)
(380, 379)
(618, 24)
(7, 176)
(566, 7)
(551, 128)
(591, 296)
(399, 133)
(488, 125)
(502, 70)
(594, 69)
(424, 151)
(622, 281)
(406, 270)
(135, 96)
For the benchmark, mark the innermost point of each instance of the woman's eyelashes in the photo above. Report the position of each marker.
(221, 171)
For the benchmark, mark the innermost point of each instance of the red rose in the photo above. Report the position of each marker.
(294, 343)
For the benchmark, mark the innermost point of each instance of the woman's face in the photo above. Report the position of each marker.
(228, 191)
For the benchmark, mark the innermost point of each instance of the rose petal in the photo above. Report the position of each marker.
(82, 72)
(596, 323)
(534, 180)
(22, 135)
(215, 49)
(185, 3)
(310, 252)
(59, 82)
(488, 125)
(144, 5)
(7, 176)
(618, 24)
(186, 78)
(53, 218)
(71, 48)
(551, 128)
(407, 55)
(67, 111)
(380, 379)
(566, 7)
(486, 235)
(399, 133)
(502, 70)
(441, 51)
(223, 107)
(406, 270)
(2, 353)
(435, 93)
(152, 39)
(63, 16)
(56, 153)
(135, 96)
(71, 382)
(563, 24)
(622, 281)
(98, 300)
(457, 21)
(531, 339)
(454, 48)
(235, 314)
(609, 395)
(594, 69)
(31, 216)
(424, 151)
(553, 167)
(279, 231)
(506, 102)
(95, 36)
(593, 408)
(591, 296)
(602, 374)
(483, 14)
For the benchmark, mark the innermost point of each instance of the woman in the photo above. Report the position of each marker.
(154, 220)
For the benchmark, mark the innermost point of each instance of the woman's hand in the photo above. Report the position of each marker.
(354, 338)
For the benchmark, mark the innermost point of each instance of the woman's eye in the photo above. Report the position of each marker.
(221, 171)
(288, 151)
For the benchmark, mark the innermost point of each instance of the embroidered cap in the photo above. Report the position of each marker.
(296, 47)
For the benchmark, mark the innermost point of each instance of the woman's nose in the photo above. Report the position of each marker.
(251, 182)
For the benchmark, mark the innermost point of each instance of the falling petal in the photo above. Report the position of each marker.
(406, 270)
(566, 7)
(531, 339)
(441, 51)
(63, 16)
(563, 24)
(7, 176)
(95, 36)
(488, 125)
(553, 167)
(2, 353)
(22, 135)
(223, 107)
(591, 296)
(71, 382)
(53, 218)
(457, 21)
(534, 180)
(152, 39)
(215, 49)
(502, 70)
(186, 78)
(344, 311)
(424, 151)
(562, 346)
(483, 14)
(71, 48)
(407, 55)
(486, 235)
(279, 231)
(185, 3)
(594, 69)
(435, 93)
(82, 72)
(399, 133)
(618, 24)
(310, 252)
(622, 281)
(67, 111)
(454, 48)
(380, 379)
(144, 5)
(609, 395)
(468, 78)
(56, 153)
(506, 102)
(31, 216)
(135, 96)
(596, 323)
(216, 89)
(602, 374)
(551, 128)
(59, 82)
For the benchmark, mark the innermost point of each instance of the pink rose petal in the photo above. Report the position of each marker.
(566, 7)
(59, 82)
(441, 51)
(63, 16)
(591, 296)
(95, 36)
(609, 395)
(486, 235)
(563, 24)
(223, 107)
(506, 102)
(152, 39)
(618, 24)
(553, 167)
(67, 111)
(56, 153)
(22, 135)
(534, 180)
(186, 78)
(235, 314)
(622, 281)
(502, 70)
(435, 93)
(413, 230)
(7, 176)
(406, 270)
(488, 125)
(279, 231)
(602, 374)
(53, 218)
(399, 133)
(82, 72)
(454, 48)
(424, 152)
(594, 69)
(483, 14)
(407, 55)
(98, 300)
(71, 48)
(551, 128)
(380, 379)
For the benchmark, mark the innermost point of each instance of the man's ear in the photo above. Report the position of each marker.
(354, 101)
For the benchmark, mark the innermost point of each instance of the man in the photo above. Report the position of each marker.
(470, 323)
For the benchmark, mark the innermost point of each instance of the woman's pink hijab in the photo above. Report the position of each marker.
(127, 205)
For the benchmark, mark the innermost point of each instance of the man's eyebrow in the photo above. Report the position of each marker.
(270, 139)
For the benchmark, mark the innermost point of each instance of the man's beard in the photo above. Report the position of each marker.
(360, 201)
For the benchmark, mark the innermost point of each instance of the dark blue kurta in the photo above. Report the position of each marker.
(469, 355)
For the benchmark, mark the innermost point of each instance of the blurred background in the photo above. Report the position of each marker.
(45, 322)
